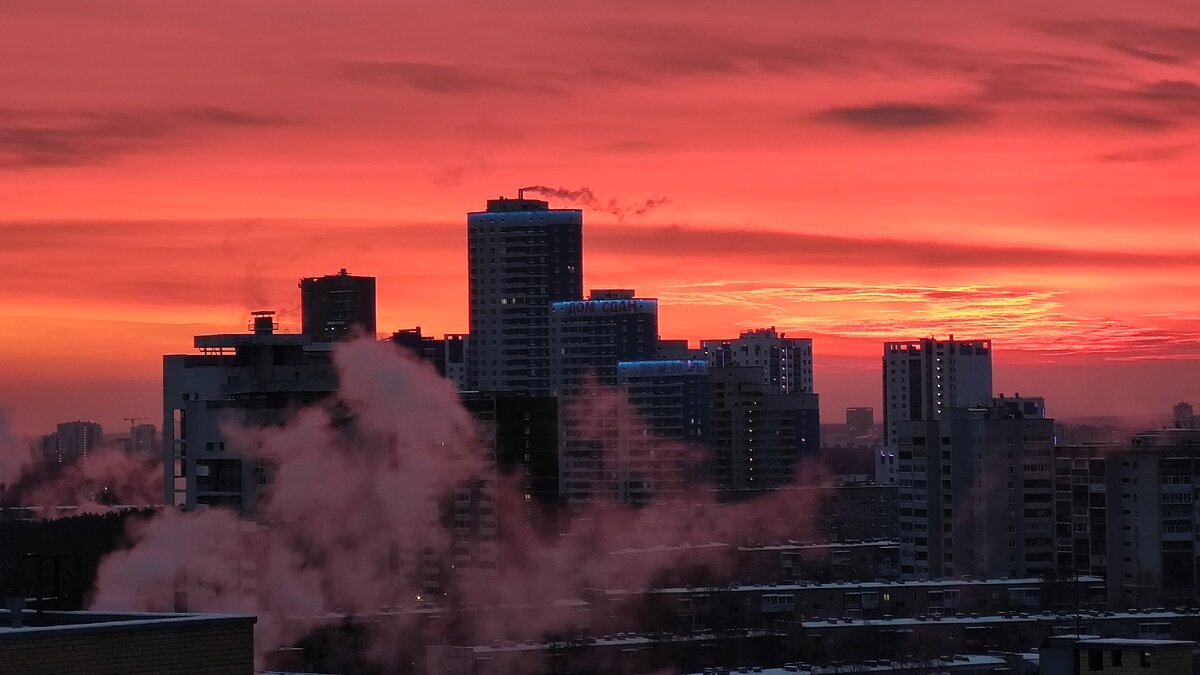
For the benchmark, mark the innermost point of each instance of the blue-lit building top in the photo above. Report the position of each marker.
(593, 307)
(652, 368)
(589, 337)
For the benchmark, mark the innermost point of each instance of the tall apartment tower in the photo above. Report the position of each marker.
(1127, 512)
(758, 432)
(665, 417)
(335, 305)
(976, 491)
(589, 337)
(143, 441)
(71, 441)
(522, 256)
(924, 378)
(1183, 416)
(786, 363)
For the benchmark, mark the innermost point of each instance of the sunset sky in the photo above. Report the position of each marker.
(851, 171)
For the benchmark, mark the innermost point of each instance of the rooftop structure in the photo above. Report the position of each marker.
(32, 643)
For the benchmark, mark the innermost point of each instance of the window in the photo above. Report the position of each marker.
(1116, 657)
(1095, 659)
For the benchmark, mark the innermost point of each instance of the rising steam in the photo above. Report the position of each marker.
(358, 522)
(585, 197)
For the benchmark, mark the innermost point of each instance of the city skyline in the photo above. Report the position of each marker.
(1023, 178)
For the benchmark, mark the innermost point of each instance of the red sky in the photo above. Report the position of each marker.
(854, 171)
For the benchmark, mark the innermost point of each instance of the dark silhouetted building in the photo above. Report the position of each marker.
(333, 307)
(524, 433)
(33, 643)
(522, 256)
(447, 354)
(1127, 512)
(1184, 416)
(71, 441)
(976, 491)
(588, 337)
(663, 418)
(860, 421)
(143, 441)
(757, 432)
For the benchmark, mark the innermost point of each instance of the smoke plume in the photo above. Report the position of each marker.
(386, 500)
(104, 479)
(585, 197)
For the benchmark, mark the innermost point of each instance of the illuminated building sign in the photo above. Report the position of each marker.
(593, 307)
(669, 367)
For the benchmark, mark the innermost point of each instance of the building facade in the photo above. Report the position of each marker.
(334, 306)
(260, 378)
(71, 441)
(1129, 512)
(649, 443)
(589, 337)
(786, 363)
(976, 492)
(924, 378)
(758, 431)
(522, 256)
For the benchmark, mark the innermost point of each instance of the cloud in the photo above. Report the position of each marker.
(449, 79)
(1171, 92)
(32, 139)
(1129, 119)
(1158, 43)
(903, 116)
(1027, 319)
(1163, 153)
(807, 249)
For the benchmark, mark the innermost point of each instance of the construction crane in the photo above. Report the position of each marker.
(134, 420)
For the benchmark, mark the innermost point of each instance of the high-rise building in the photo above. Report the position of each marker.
(250, 379)
(589, 337)
(452, 358)
(786, 363)
(71, 441)
(1127, 512)
(143, 441)
(679, 350)
(523, 431)
(587, 340)
(666, 418)
(976, 494)
(643, 446)
(924, 378)
(1184, 416)
(522, 256)
(860, 421)
(447, 354)
(334, 306)
(757, 432)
